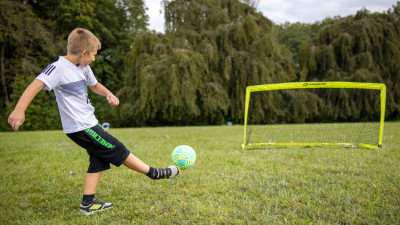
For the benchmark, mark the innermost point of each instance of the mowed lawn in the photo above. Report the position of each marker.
(43, 172)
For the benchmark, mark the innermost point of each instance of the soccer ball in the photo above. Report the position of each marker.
(183, 157)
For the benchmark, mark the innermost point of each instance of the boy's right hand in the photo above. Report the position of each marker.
(16, 119)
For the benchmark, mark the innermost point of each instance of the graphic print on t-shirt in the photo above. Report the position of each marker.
(86, 73)
(75, 88)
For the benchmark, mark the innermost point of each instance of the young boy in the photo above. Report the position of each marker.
(68, 78)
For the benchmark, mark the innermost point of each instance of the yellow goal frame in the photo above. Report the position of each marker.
(309, 85)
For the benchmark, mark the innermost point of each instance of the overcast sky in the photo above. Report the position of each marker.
(280, 11)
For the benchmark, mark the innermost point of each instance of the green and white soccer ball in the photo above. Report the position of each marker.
(183, 157)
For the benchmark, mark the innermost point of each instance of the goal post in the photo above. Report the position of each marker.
(264, 132)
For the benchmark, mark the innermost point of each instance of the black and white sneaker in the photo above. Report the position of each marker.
(170, 172)
(95, 206)
(164, 173)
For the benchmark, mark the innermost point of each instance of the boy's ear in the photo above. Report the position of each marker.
(84, 52)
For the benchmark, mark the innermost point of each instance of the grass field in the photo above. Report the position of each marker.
(225, 186)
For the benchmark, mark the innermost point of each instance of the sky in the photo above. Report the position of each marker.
(280, 11)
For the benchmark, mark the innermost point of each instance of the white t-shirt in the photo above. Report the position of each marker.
(69, 83)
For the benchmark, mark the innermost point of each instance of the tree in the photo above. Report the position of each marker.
(361, 48)
(114, 22)
(395, 11)
(26, 47)
(20, 36)
(252, 3)
(198, 71)
(292, 35)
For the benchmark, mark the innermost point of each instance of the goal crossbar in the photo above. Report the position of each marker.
(312, 85)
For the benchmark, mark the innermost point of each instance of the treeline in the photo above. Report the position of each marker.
(34, 33)
(197, 72)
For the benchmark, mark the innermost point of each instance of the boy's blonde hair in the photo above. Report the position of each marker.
(81, 39)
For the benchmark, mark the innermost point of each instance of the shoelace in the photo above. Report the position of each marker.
(97, 202)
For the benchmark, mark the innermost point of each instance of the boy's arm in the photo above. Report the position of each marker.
(17, 117)
(101, 90)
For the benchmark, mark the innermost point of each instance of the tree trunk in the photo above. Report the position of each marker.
(3, 77)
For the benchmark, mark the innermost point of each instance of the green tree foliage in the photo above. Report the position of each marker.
(198, 71)
(114, 22)
(34, 33)
(293, 34)
(395, 11)
(26, 47)
(362, 48)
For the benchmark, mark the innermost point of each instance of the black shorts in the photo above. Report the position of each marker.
(102, 148)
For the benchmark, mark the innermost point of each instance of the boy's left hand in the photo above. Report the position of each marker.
(112, 100)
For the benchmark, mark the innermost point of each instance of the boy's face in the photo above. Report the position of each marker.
(87, 57)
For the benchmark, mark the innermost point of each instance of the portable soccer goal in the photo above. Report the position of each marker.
(347, 114)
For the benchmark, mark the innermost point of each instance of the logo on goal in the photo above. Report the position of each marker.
(313, 84)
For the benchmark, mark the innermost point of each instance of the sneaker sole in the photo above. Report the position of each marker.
(90, 213)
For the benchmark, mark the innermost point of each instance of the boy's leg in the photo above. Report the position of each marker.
(132, 162)
(136, 164)
(91, 182)
(89, 204)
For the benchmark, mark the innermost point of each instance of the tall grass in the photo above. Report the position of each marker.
(42, 178)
